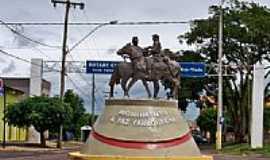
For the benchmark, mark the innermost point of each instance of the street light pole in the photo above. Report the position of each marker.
(220, 82)
(92, 32)
(93, 78)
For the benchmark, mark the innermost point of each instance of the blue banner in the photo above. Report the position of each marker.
(188, 69)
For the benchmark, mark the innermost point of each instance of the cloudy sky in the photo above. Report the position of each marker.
(102, 44)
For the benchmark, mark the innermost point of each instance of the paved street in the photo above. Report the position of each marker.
(35, 155)
(62, 155)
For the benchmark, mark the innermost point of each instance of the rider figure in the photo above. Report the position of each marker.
(135, 41)
(135, 44)
(155, 49)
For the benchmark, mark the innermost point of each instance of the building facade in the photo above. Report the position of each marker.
(17, 89)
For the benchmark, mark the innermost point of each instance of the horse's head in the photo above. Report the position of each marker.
(125, 50)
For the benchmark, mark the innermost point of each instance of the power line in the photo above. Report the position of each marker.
(25, 37)
(91, 32)
(86, 36)
(77, 87)
(98, 23)
(41, 52)
(24, 60)
(83, 78)
(27, 61)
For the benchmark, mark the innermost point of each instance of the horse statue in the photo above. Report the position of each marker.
(122, 73)
(144, 69)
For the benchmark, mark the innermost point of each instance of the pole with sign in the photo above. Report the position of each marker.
(93, 100)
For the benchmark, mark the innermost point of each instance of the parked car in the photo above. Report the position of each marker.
(198, 138)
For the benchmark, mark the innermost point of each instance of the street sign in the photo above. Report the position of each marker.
(101, 67)
(192, 69)
(188, 69)
(1, 87)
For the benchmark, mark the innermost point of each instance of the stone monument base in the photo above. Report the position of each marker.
(140, 129)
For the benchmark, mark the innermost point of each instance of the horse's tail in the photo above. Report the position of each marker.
(178, 71)
(115, 78)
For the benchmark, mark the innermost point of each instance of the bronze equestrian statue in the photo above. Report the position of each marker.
(154, 69)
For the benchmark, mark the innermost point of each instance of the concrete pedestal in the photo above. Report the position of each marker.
(140, 129)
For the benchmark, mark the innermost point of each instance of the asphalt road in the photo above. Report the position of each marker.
(35, 155)
(62, 155)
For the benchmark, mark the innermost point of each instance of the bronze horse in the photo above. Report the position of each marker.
(121, 74)
(137, 70)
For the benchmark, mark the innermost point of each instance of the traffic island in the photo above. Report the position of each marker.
(140, 129)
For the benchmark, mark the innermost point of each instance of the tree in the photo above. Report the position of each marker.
(246, 42)
(207, 121)
(78, 116)
(44, 113)
(266, 120)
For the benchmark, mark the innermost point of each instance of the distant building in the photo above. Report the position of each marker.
(18, 89)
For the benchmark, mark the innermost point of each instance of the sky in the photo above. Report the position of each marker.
(99, 46)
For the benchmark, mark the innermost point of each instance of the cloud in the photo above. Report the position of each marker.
(2, 60)
(22, 41)
(112, 50)
(10, 68)
(108, 38)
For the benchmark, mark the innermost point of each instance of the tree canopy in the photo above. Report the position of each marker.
(44, 113)
(246, 42)
(78, 116)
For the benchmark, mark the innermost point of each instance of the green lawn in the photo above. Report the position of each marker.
(244, 149)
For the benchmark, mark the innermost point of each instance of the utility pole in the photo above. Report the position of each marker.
(93, 100)
(67, 4)
(220, 118)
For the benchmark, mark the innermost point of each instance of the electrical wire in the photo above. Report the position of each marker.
(26, 37)
(80, 74)
(86, 36)
(77, 87)
(98, 23)
(25, 60)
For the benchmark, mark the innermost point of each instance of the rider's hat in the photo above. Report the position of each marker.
(135, 38)
(155, 36)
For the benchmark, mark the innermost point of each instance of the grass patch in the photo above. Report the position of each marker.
(244, 149)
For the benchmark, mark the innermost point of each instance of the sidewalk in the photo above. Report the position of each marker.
(209, 150)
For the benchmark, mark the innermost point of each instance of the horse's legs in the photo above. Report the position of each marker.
(115, 79)
(147, 88)
(111, 90)
(111, 84)
(156, 88)
(123, 85)
(175, 88)
(131, 83)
